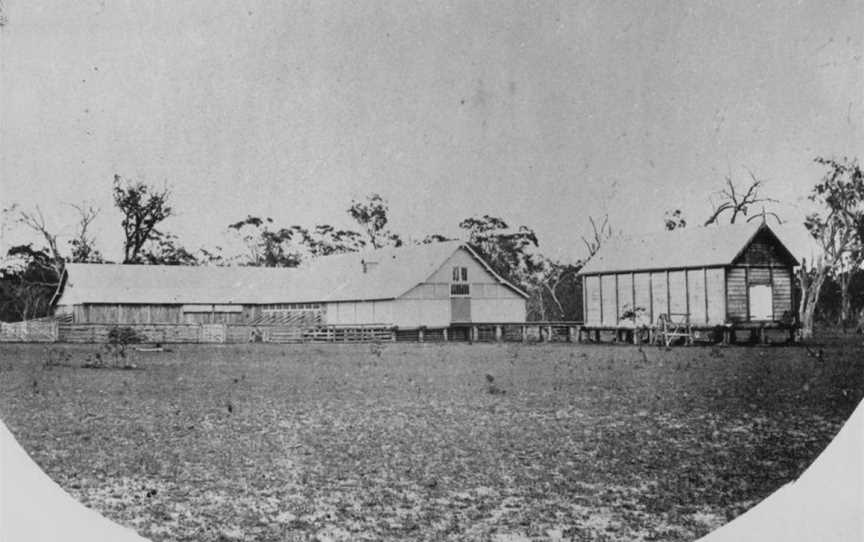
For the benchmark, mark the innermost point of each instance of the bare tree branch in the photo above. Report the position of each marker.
(736, 203)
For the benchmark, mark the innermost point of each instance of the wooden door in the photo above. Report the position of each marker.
(460, 309)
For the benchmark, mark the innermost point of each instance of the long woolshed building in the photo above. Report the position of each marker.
(737, 275)
(432, 285)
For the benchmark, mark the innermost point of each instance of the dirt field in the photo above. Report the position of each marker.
(408, 441)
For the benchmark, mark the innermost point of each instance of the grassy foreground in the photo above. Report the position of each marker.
(434, 442)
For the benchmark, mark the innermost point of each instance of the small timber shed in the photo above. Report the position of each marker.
(432, 285)
(736, 276)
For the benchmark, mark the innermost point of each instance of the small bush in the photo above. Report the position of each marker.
(114, 353)
(57, 357)
(124, 336)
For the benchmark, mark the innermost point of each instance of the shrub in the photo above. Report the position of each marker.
(124, 336)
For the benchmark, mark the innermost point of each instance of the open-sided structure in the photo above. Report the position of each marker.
(432, 285)
(737, 276)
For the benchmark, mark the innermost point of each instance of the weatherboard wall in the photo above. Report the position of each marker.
(625, 299)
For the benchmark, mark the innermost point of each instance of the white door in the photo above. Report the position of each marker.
(760, 302)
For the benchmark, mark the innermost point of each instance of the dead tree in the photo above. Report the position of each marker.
(83, 244)
(737, 203)
(600, 234)
(36, 222)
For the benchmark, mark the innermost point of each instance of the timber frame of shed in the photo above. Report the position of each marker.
(709, 282)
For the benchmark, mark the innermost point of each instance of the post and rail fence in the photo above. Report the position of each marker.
(48, 330)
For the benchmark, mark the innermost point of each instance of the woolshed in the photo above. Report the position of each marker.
(739, 276)
(432, 285)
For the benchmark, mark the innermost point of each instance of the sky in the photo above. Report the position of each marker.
(543, 113)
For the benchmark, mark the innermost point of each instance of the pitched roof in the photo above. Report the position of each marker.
(682, 248)
(391, 273)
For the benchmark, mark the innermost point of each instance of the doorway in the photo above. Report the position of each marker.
(761, 307)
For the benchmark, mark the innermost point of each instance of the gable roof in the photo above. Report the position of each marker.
(710, 246)
(329, 278)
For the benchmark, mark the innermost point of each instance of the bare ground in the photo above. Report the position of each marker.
(407, 441)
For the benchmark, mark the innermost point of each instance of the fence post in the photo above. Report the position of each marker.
(475, 334)
(420, 334)
(524, 333)
(498, 333)
(445, 334)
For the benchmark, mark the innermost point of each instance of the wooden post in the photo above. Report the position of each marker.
(475, 334)
(445, 334)
(727, 335)
(524, 333)
(571, 334)
(762, 334)
(420, 335)
(498, 333)
(597, 336)
(549, 334)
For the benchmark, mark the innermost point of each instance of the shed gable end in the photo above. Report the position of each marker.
(765, 249)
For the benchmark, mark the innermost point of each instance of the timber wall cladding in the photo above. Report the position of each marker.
(642, 293)
(127, 314)
(736, 294)
(608, 301)
(697, 292)
(659, 295)
(625, 293)
(592, 300)
(715, 289)
(782, 290)
(696, 300)
(677, 292)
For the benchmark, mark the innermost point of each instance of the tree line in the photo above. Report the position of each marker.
(32, 274)
(831, 288)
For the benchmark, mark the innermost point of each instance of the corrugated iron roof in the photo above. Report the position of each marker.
(391, 273)
(709, 246)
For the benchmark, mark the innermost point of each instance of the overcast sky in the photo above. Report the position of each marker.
(542, 113)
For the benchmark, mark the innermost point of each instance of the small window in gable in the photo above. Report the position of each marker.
(460, 286)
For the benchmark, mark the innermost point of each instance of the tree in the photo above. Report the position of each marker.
(674, 219)
(736, 202)
(434, 238)
(371, 215)
(83, 244)
(28, 285)
(36, 222)
(558, 292)
(324, 240)
(267, 247)
(143, 208)
(165, 249)
(834, 239)
(508, 252)
(600, 235)
(841, 230)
